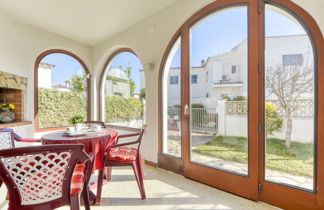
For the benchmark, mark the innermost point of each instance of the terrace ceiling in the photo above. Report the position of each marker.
(87, 21)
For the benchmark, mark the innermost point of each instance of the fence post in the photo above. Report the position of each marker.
(221, 117)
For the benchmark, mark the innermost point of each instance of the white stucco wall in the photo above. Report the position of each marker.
(20, 45)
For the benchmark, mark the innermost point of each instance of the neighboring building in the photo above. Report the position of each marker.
(45, 75)
(117, 83)
(226, 74)
(61, 88)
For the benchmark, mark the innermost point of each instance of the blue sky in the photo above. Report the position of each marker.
(216, 34)
(220, 32)
(65, 67)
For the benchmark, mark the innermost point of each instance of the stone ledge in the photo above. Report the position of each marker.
(14, 124)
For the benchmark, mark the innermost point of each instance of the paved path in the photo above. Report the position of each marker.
(174, 148)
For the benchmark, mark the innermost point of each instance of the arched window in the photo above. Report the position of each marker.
(61, 90)
(241, 109)
(123, 90)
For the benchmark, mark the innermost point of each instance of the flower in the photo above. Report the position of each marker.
(6, 107)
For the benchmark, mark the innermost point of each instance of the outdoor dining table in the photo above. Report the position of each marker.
(94, 142)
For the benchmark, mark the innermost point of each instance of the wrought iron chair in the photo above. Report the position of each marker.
(46, 177)
(120, 155)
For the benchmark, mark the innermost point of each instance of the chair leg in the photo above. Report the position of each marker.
(141, 165)
(75, 203)
(138, 179)
(141, 174)
(99, 186)
(85, 195)
(107, 174)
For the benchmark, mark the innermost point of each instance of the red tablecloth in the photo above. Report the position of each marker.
(96, 142)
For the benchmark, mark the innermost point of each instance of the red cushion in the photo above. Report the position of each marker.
(77, 179)
(122, 154)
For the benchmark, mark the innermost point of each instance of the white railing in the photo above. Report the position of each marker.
(203, 120)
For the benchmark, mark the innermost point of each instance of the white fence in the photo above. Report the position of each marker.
(232, 120)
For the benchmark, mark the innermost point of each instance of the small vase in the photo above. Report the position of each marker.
(7, 116)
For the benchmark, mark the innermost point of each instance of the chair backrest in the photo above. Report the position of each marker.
(96, 122)
(39, 175)
(7, 139)
(139, 140)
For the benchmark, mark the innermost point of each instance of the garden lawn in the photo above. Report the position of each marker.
(297, 160)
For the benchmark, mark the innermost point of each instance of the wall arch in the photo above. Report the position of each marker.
(102, 78)
(37, 62)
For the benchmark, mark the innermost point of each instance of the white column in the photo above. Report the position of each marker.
(221, 117)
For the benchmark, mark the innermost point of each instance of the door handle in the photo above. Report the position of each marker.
(185, 110)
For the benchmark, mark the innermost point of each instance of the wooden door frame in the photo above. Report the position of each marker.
(240, 183)
(256, 15)
(276, 194)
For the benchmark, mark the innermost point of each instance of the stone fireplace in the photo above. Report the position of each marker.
(13, 91)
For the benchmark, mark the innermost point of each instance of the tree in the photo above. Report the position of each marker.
(142, 94)
(127, 71)
(287, 83)
(77, 82)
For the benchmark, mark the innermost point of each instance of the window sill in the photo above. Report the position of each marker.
(14, 124)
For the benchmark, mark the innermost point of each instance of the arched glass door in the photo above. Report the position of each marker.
(249, 102)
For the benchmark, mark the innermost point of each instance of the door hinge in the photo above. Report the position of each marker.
(259, 68)
(259, 128)
(259, 8)
(260, 187)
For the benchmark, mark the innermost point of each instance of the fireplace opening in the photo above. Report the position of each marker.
(15, 97)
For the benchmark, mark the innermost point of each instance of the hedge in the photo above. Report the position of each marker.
(56, 108)
(119, 109)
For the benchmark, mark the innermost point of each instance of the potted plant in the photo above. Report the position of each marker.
(77, 120)
(6, 113)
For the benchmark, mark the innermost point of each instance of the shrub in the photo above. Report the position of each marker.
(273, 122)
(239, 98)
(122, 109)
(56, 108)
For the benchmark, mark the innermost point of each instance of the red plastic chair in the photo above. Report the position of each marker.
(120, 155)
(46, 177)
(8, 138)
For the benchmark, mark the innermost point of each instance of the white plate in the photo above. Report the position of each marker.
(77, 133)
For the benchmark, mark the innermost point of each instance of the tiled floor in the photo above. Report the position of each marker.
(166, 190)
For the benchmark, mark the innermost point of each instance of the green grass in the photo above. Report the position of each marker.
(297, 160)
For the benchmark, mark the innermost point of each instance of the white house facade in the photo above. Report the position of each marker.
(225, 75)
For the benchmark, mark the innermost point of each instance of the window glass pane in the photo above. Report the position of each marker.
(289, 101)
(172, 102)
(173, 80)
(62, 91)
(219, 120)
(124, 90)
(194, 79)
